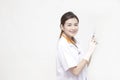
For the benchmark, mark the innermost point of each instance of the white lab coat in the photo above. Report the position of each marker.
(69, 56)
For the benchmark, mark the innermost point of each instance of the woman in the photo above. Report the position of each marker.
(71, 60)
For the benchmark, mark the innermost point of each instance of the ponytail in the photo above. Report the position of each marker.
(61, 33)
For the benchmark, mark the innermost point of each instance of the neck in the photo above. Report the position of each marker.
(65, 35)
(69, 39)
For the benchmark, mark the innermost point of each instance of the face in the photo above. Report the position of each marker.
(70, 28)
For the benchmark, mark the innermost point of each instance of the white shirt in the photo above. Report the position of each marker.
(69, 56)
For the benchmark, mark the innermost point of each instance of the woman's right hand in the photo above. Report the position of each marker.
(92, 44)
(91, 49)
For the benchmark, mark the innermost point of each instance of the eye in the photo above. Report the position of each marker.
(76, 24)
(69, 25)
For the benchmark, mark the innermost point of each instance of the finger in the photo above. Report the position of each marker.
(95, 42)
(92, 40)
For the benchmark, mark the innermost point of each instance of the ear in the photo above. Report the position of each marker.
(61, 27)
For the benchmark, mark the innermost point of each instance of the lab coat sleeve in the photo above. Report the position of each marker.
(66, 59)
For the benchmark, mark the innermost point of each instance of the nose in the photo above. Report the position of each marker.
(73, 27)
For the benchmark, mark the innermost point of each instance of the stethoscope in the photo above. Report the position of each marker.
(76, 47)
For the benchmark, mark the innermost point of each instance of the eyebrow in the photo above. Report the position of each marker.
(74, 23)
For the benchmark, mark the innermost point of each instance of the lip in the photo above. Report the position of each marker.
(72, 32)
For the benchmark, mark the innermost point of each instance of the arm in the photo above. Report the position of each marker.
(86, 59)
(77, 69)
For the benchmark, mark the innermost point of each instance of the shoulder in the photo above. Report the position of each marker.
(62, 42)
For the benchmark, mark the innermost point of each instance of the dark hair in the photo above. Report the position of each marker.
(65, 17)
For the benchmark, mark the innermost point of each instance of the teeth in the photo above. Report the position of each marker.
(73, 31)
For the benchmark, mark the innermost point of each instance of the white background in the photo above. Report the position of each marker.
(29, 30)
